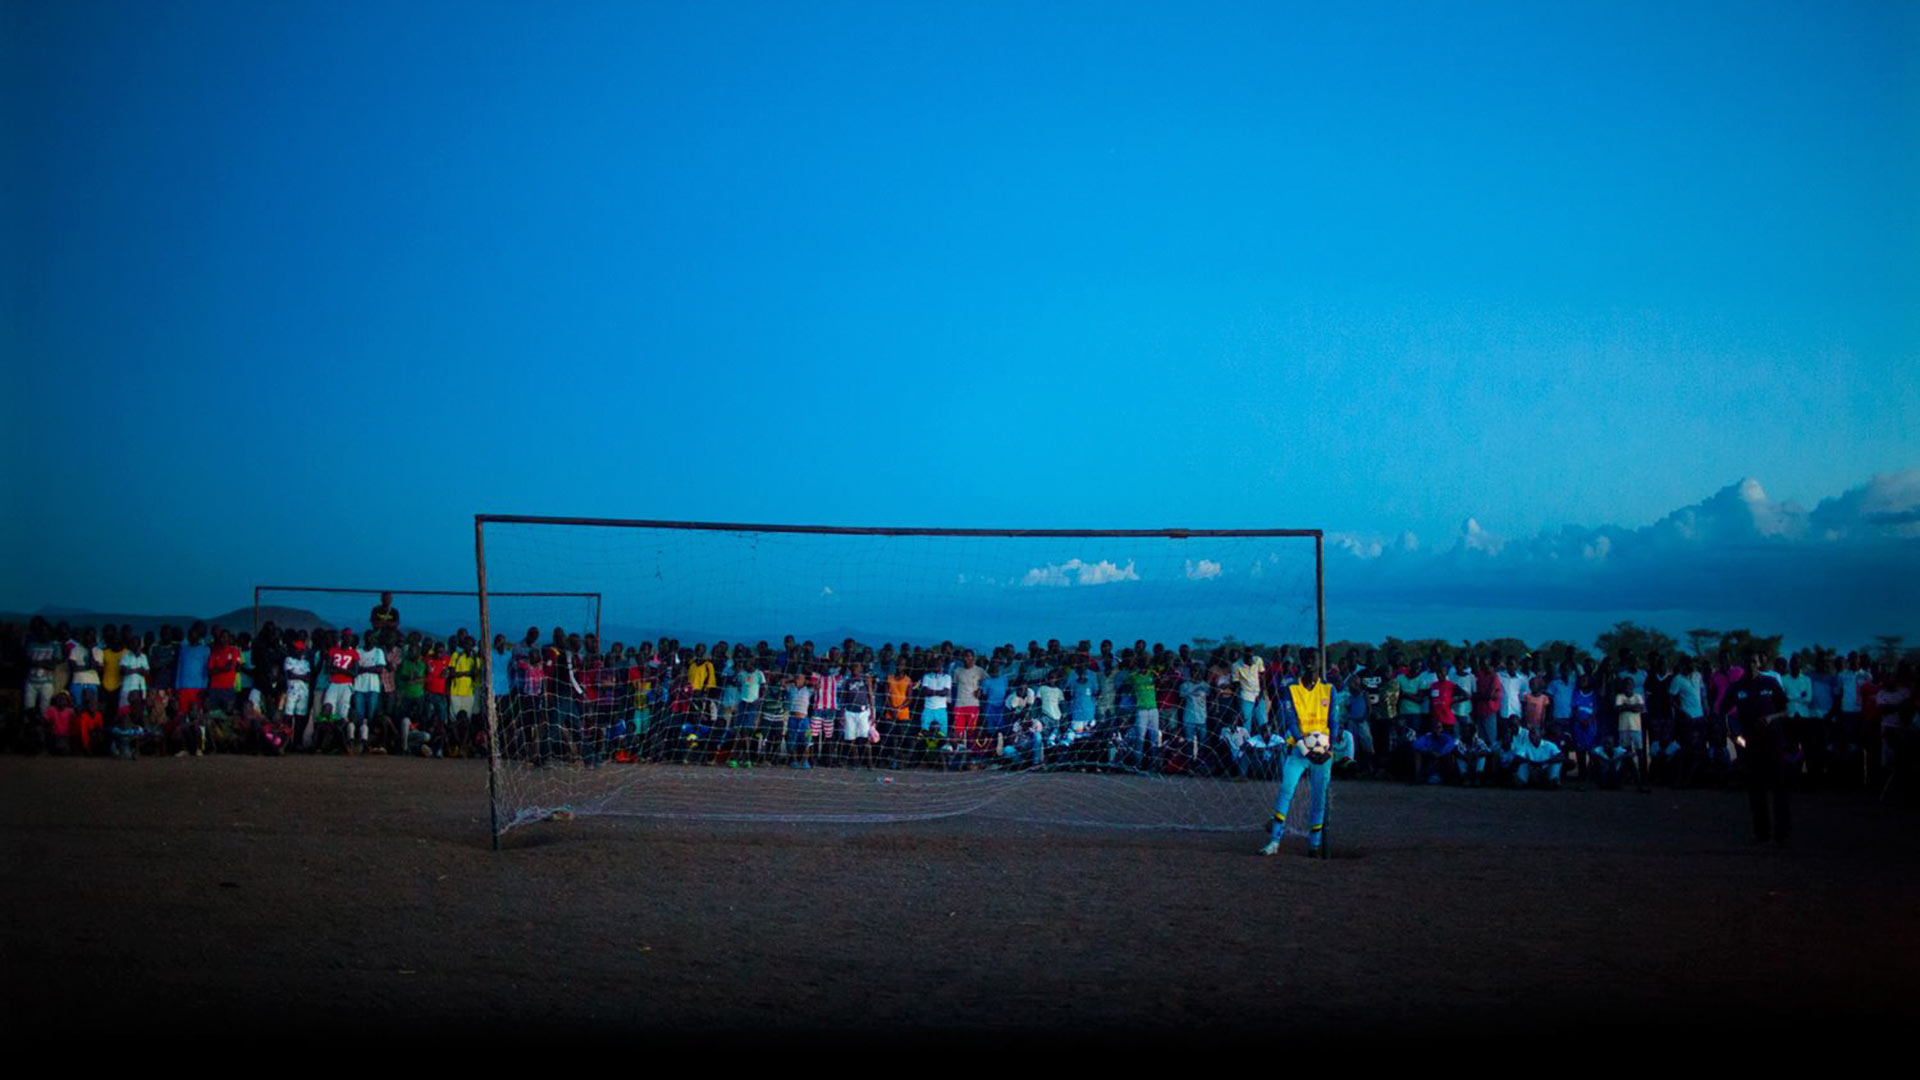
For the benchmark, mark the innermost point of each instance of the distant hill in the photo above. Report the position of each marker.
(236, 620)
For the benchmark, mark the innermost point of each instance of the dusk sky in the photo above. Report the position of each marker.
(295, 289)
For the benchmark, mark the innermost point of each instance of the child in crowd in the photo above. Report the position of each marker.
(59, 718)
(126, 734)
(1631, 706)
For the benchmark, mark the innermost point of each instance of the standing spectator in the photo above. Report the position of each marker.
(1249, 677)
(43, 654)
(369, 662)
(342, 660)
(967, 697)
(164, 663)
(856, 702)
(936, 689)
(296, 680)
(269, 660)
(190, 673)
(384, 617)
(134, 666)
(112, 650)
(1630, 738)
(223, 671)
(83, 667)
(1756, 711)
(461, 664)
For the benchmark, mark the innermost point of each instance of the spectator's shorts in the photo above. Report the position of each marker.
(1145, 720)
(933, 719)
(858, 724)
(297, 693)
(461, 703)
(39, 695)
(1632, 741)
(339, 698)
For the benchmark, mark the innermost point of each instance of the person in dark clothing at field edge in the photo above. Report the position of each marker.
(1756, 709)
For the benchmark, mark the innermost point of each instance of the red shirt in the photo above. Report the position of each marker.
(1440, 701)
(342, 660)
(436, 674)
(1486, 694)
(222, 665)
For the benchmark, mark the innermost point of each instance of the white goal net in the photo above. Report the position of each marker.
(788, 673)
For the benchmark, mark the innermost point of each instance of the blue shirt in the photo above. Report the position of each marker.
(1561, 691)
(500, 673)
(192, 673)
(1081, 687)
(1822, 695)
(995, 710)
(1849, 691)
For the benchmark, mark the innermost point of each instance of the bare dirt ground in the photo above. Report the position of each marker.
(363, 892)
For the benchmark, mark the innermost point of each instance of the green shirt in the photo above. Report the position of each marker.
(1144, 696)
(412, 677)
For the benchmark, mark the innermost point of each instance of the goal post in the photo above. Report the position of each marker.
(630, 723)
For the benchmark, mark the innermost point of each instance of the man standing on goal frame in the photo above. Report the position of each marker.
(1311, 731)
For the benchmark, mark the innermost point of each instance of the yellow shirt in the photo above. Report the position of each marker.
(700, 675)
(1312, 706)
(110, 669)
(460, 675)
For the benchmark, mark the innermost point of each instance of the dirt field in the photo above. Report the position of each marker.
(362, 891)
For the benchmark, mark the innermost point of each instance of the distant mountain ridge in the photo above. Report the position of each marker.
(236, 620)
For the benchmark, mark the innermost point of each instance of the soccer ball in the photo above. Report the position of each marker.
(1315, 742)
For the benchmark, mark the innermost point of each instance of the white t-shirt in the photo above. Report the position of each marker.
(966, 686)
(366, 680)
(1050, 698)
(1247, 678)
(133, 673)
(1512, 685)
(937, 684)
(1629, 707)
(79, 655)
(297, 668)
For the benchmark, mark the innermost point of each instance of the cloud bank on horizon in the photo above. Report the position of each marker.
(1841, 572)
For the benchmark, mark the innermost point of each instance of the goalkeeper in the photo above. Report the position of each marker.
(1311, 731)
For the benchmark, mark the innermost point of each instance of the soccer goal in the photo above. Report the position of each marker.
(839, 674)
(436, 612)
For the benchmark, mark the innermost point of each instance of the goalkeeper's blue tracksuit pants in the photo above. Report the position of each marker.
(1318, 778)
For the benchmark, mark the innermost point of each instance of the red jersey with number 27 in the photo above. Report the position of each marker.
(342, 660)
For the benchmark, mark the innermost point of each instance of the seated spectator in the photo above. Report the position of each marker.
(1475, 753)
(125, 735)
(89, 728)
(1534, 760)
(59, 719)
(1436, 754)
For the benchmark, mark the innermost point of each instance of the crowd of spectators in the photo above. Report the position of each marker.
(1469, 718)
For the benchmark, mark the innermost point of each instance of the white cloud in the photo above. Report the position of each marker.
(826, 590)
(1475, 538)
(1202, 570)
(1077, 572)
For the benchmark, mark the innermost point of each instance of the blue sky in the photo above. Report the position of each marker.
(295, 289)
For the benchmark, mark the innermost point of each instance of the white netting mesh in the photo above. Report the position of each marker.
(732, 666)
